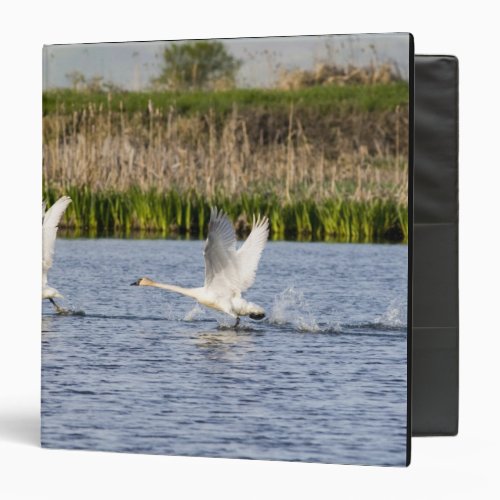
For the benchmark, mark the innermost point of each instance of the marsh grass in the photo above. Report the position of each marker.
(154, 213)
(94, 148)
(158, 169)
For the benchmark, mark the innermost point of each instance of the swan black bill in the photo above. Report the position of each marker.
(135, 283)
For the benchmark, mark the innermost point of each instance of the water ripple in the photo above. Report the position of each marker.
(321, 379)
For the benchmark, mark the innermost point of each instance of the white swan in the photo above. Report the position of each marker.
(50, 221)
(228, 272)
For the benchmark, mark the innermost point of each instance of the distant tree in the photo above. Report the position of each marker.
(197, 65)
(94, 84)
(77, 79)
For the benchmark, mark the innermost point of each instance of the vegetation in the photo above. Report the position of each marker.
(322, 99)
(171, 213)
(96, 84)
(333, 75)
(321, 162)
(197, 65)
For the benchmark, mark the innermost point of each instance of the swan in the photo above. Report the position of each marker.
(50, 221)
(228, 271)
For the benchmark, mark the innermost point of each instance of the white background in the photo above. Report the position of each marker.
(465, 465)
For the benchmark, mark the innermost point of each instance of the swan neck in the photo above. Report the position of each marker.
(189, 292)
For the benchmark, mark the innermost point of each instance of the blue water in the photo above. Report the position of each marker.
(322, 379)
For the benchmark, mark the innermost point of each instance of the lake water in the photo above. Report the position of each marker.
(322, 379)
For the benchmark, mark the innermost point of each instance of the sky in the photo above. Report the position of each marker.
(132, 65)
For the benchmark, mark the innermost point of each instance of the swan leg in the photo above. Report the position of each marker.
(58, 308)
(237, 322)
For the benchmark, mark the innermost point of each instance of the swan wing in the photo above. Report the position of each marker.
(248, 255)
(220, 253)
(51, 220)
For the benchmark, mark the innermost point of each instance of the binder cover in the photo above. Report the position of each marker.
(255, 194)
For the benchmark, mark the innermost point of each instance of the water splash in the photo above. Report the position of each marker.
(70, 312)
(68, 308)
(225, 322)
(395, 316)
(334, 327)
(291, 307)
(173, 313)
(194, 314)
(170, 313)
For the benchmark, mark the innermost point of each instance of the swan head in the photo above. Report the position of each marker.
(142, 282)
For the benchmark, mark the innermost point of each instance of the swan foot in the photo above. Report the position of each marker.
(257, 316)
(237, 322)
(59, 309)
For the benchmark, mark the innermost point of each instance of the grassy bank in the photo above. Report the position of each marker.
(171, 213)
(327, 99)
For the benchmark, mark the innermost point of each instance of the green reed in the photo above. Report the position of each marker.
(172, 213)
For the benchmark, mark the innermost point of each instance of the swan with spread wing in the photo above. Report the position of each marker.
(228, 271)
(50, 222)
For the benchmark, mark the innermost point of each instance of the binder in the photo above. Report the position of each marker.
(347, 367)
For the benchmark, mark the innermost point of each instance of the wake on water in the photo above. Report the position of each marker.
(290, 307)
(69, 309)
(70, 312)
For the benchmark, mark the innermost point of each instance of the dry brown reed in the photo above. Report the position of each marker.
(162, 149)
(331, 74)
